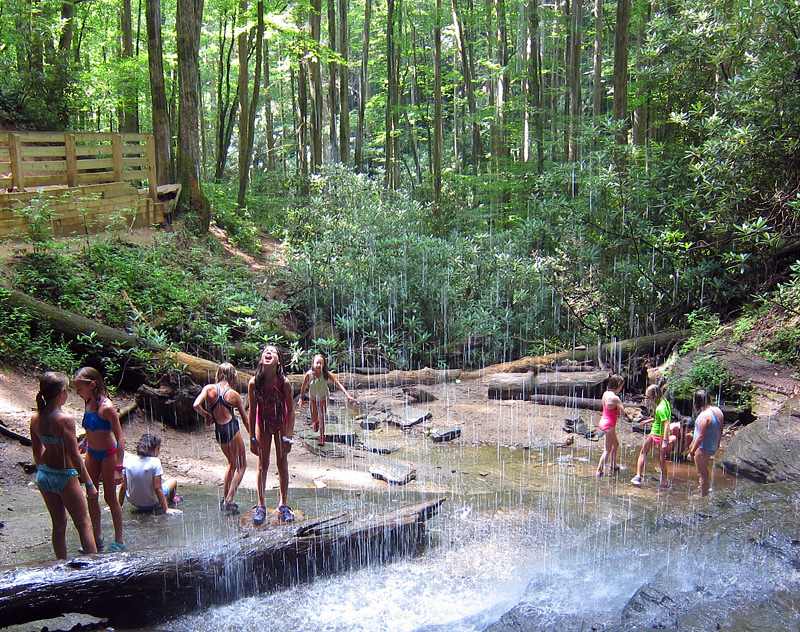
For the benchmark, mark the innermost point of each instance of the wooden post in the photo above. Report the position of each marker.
(152, 178)
(72, 160)
(15, 152)
(116, 144)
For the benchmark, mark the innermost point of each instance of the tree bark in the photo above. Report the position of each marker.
(438, 125)
(575, 101)
(621, 38)
(315, 85)
(333, 91)
(226, 111)
(158, 93)
(597, 75)
(344, 85)
(193, 200)
(269, 124)
(129, 97)
(392, 94)
(363, 89)
(137, 589)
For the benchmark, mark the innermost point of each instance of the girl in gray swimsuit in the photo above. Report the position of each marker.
(55, 448)
(707, 435)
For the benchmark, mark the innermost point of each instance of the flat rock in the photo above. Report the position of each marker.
(407, 416)
(446, 434)
(393, 472)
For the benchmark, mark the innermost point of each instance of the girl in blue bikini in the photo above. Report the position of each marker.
(55, 449)
(105, 448)
(707, 436)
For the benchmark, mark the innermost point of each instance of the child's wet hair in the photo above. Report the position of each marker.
(615, 381)
(226, 372)
(51, 385)
(90, 374)
(147, 444)
(655, 393)
(701, 401)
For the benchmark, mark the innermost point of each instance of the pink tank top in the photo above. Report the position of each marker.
(609, 418)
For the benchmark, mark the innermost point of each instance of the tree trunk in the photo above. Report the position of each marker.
(161, 124)
(363, 89)
(243, 90)
(575, 101)
(621, 38)
(130, 109)
(392, 94)
(226, 111)
(315, 85)
(136, 589)
(597, 76)
(640, 112)
(193, 200)
(524, 385)
(269, 123)
(438, 126)
(464, 44)
(344, 85)
(333, 91)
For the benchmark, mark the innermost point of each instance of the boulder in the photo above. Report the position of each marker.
(767, 450)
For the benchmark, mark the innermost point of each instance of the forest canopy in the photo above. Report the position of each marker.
(532, 173)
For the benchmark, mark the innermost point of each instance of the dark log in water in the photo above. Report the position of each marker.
(133, 589)
(585, 403)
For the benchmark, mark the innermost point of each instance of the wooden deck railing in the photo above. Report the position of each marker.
(33, 160)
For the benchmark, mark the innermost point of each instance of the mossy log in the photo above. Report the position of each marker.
(524, 386)
(135, 589)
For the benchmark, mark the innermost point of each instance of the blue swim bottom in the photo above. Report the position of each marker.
(52, 480)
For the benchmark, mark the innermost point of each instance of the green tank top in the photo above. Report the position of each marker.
(661, 417)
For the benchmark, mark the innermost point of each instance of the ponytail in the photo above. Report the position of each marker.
(51, 385)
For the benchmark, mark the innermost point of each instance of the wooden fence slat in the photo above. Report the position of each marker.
(117, 142)
(96, 163)
(95, 178)
(93, 150)
(17, 178)
(44, 165)
(135, 162)
(71, 159)
(37, 151)
(41, 137)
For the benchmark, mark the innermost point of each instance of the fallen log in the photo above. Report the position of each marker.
(7, 432)
(134, 589)
(584, 403)
(524, 386)
(611, 352)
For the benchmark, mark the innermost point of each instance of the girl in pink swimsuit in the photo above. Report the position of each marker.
(612, 406)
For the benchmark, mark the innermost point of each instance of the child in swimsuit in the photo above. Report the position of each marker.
(143, 484)
(707, 436)
(612, 406)
(55, 449)
(222, 401)
(316, 381)
(269, 394)
(660, 436)
(105, 449)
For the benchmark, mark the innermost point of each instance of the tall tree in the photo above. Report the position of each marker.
(129, 121)
(189, 22)
(464, 44)
(621, 40)
(597, 66)
(269, 123)
(333, 91)
(640, 110)
(248, 103)
(315, 85)
(226, 96)
(532, 87)
(438, 124)
(575, 101)
(363, 87)
(158, 93)
(344, 84)
(393, 12)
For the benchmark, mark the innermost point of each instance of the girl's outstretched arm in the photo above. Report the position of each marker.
(341, 387)
(304, 386)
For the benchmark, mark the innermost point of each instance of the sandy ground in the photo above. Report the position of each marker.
(195, 457)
